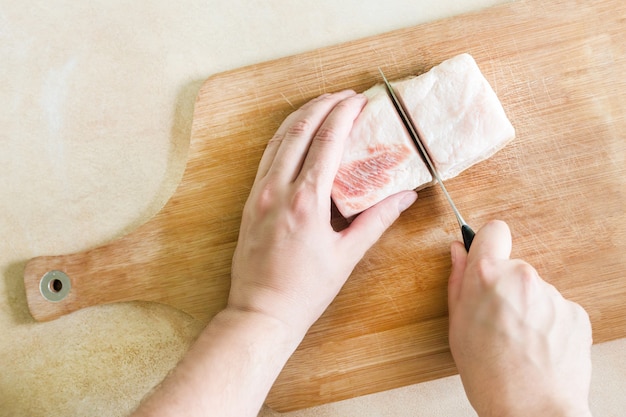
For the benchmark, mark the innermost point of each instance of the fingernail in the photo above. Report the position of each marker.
(407, 201)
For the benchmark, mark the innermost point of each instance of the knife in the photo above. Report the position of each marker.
(466, 231)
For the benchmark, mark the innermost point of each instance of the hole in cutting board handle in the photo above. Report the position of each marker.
(55, 286)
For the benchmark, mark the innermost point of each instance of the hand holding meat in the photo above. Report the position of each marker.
(289, 262)
(520, 347)
(288, 266)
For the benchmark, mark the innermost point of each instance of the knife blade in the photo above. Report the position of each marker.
(466, 231)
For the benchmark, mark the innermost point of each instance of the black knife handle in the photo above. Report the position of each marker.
(468, 236)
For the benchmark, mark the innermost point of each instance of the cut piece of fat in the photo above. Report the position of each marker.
(460, 120)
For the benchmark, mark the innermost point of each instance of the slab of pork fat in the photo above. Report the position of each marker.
(459, 118)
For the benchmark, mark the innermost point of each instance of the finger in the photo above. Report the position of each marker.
(270, 150)
(459, 262)
(295, 137)
(326, 150)
(274, 143)
(493, 241)
(368, 226)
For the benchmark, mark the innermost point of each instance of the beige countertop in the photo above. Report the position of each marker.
(96, 100)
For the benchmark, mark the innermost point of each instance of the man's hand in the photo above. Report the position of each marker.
(520, 347)
(288, 266)
(289, 263)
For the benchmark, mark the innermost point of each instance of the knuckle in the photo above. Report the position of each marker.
(300, 127)
(302, 203)
(326, 134)
(276, 139)
(264, 199)
(485, 270)
(580, 312)
(581, 318)
(525, 272)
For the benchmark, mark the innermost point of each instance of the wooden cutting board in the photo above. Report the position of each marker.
(558, 68)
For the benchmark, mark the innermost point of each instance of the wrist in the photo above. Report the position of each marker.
(283, 312)
(252, 324)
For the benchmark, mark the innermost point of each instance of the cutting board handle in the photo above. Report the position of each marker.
(141, 266)
(58, 285)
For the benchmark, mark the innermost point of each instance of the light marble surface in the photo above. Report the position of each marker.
(96, 99)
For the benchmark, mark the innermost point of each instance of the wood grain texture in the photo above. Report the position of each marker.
(558, 67)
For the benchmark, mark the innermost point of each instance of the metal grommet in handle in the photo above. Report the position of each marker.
(55, 286)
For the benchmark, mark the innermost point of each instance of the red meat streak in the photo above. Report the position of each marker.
(359, 178)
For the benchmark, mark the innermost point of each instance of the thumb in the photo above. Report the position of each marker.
(369, 226)
(459, 262)
(493, 241)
